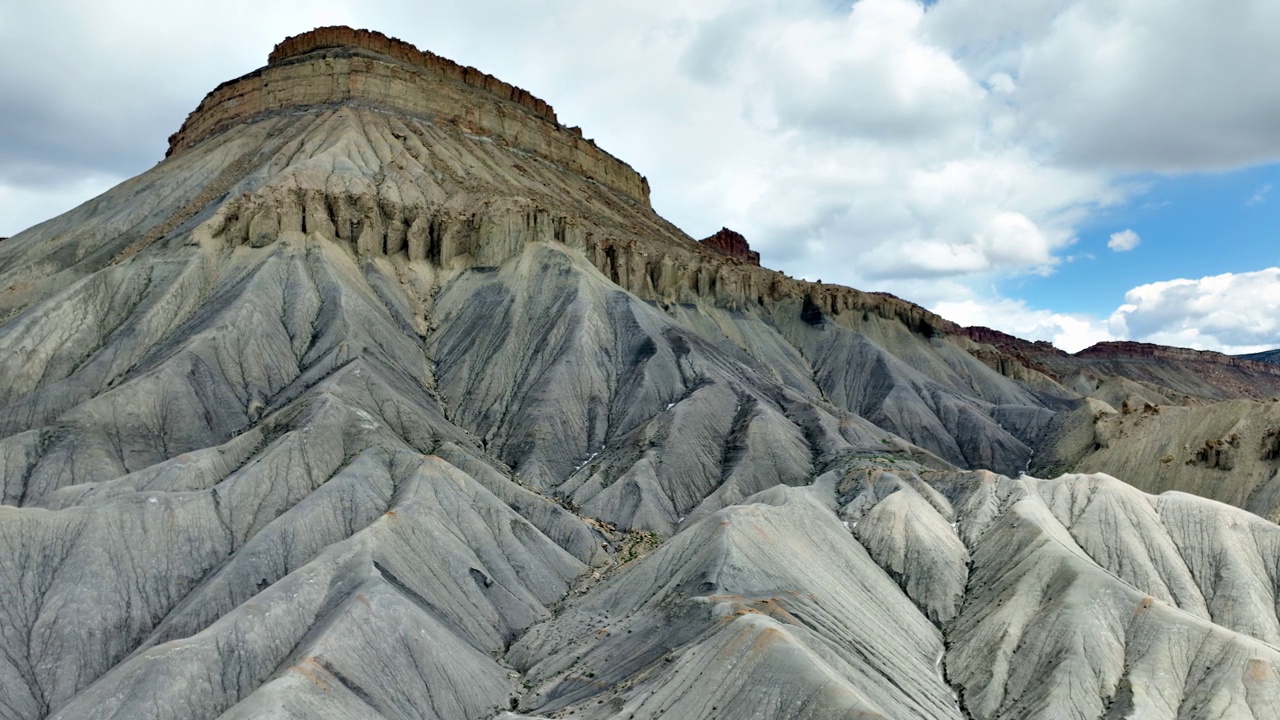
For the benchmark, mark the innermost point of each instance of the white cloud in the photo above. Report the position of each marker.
(1232, 312)
(866, 75)
(1070, 332)
(867, 152)
(1124, 241)
(1001, 83)
(1259, 196)
(1131, 84)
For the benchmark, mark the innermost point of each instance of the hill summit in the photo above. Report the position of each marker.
(384, 395)
(339, 65)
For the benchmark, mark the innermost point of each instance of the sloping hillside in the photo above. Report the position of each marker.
(385, 395)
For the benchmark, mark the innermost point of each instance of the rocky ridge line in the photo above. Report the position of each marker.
(1129, 350)
(1266, 356)
(338, 36)
(334, 66)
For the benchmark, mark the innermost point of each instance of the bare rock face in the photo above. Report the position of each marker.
(359, 67)
(384, 395)
(732, 244)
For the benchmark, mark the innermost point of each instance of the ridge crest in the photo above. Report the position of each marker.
(332, 66)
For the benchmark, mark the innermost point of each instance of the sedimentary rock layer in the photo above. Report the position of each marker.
(332, 66)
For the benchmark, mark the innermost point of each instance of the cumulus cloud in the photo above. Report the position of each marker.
(1232, 312)
(1070, 332)
(865, 75)
(1124, 241)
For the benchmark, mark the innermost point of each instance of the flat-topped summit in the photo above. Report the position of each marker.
(1139, 351)
(340, 36)
(334, 66)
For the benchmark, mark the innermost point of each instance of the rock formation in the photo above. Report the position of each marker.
(338, 65)
(384, 395)
(1199, 373)
(732, 244)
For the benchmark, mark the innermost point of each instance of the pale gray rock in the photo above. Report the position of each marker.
(1046, 630)
(348, 410)
(774, 587)
(909, 530)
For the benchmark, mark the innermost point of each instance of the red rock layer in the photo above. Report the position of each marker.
(1007, 342)
(732, 244)
(1128, 350)
(1011, 351)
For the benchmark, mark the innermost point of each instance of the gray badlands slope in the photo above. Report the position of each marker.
(1162, 418)
(386, 396)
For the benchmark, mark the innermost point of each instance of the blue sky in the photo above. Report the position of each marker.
(974, 156)
(1190, 226)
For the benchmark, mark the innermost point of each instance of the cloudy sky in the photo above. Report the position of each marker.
(1067, 170)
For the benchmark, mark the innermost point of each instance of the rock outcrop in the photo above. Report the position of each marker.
(328, 38)
(1129, 350)
(732, 244)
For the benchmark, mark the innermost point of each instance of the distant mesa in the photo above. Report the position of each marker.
(728, 242)
(1130, 350)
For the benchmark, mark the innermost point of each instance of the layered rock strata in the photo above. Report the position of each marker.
(332, 66)
(1129, 350)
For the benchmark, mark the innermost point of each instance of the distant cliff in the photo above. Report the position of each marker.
(338, 37)
(1129, 350)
